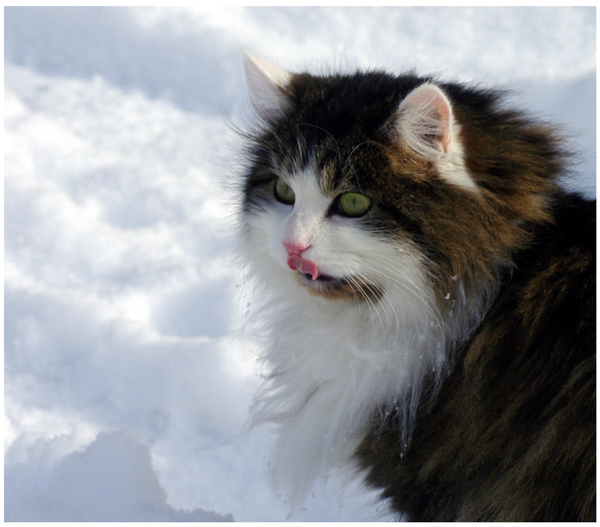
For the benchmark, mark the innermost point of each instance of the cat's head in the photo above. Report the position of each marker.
(359, 184)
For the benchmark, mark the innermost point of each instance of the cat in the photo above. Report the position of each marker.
(431, 296)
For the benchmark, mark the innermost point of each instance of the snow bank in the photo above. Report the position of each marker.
(123, 487)
(129, 364)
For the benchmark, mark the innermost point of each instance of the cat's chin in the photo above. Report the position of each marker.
(333, 288)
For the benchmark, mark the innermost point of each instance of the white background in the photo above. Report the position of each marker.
(129, 361)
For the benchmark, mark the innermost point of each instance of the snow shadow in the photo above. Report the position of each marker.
(161, 62)
(111, 480)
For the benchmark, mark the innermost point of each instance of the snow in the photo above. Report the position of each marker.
(130, 363)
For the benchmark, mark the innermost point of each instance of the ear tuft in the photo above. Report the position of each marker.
(425, 121)
(267, 83)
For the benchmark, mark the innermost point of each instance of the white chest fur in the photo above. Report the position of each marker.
(331, 369)
(333, 363)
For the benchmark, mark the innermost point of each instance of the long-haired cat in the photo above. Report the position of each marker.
(432, 296)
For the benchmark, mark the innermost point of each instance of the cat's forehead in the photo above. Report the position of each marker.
(338, 164)
(311, 187)
(334, 170)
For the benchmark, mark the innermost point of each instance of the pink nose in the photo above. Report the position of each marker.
(292, 248)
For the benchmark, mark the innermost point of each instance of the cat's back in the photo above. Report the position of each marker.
(511, 436)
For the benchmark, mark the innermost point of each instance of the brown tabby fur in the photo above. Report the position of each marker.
(512, 434)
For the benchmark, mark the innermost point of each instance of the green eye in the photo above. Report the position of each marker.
(354, 205)
(284, 193)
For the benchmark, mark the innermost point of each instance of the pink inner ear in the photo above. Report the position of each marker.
(426, 113)
(445, 120)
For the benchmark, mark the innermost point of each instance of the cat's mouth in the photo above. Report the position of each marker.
(334, 288)
(329, 280)
(322, 281)
(328, 286)
(323, 278)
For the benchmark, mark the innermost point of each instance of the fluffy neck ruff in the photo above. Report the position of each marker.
(333, 366)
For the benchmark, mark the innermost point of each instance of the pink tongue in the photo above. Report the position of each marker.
(297, 263)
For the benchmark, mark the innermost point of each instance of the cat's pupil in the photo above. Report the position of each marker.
(354, 205)
(284, 193)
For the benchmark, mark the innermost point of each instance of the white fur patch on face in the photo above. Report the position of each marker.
(305, 223)
(338, 245)
(332, 364)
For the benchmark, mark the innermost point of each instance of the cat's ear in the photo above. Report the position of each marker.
(425, 121)
(267, 83)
